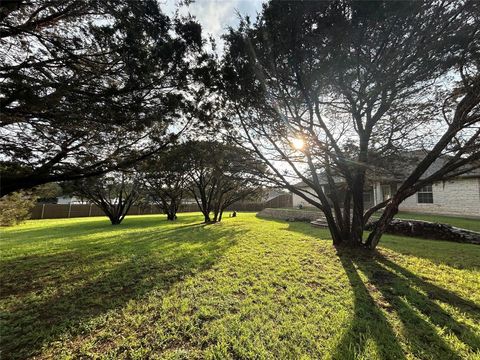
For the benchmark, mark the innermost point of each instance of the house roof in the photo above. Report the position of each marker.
(398, 169)
(403, 165)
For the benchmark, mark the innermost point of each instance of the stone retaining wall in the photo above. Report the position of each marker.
(291, 214)
(430, 230)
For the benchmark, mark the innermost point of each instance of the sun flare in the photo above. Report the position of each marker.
(298, 144)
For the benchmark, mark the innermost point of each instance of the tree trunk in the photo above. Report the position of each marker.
(347, 210)
(206, 215)
(333, 227)
(172, 211)
(381, 226)
(115, 220)
(216, 212)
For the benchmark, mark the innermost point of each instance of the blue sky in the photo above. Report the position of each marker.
(216, 15)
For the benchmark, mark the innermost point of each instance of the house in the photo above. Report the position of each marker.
(459, 196)
(272, 193)
(67, 199)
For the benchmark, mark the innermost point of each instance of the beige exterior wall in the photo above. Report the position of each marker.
(297, 200)
(456, 197)
(460, 197)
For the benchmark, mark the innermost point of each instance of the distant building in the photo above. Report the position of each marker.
(67, 199)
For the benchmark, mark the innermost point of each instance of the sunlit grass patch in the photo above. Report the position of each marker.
(245, 288)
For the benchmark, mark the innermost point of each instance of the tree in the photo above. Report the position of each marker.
(90, 86)
(240, 180)
(114, 193)
(165, 178)
(332, 89)
(219, 175)
(17, 207)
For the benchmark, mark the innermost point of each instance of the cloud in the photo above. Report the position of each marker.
(216, 16)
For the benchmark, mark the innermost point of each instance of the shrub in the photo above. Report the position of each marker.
(16, 207)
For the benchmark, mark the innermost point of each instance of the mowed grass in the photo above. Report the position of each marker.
(247, 288)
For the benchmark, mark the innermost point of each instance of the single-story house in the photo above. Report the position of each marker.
(459, 196)
(68, 199)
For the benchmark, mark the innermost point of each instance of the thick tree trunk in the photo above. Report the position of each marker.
(206, 215)
(391, 209)
(172, 211)
(115, 220)
(334, 229)
(216, 212)
(355, 236)
(347, 212)
(381, 226)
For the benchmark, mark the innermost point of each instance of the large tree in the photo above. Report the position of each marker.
(329, 91)
(114, 193)
(88, 86)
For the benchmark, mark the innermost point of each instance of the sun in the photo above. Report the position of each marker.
(298, 143)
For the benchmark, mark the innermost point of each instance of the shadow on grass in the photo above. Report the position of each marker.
(368, 323)
(86, 226)
(389, 288)
(302, 227)
(50, 295)
(457, 255)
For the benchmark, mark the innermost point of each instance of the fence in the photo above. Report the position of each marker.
(58, 211)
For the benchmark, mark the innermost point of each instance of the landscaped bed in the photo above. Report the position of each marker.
(244, 288)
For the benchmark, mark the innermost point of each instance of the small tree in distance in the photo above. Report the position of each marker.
(239, 181)
(164, 177)
(219, 175)
(114, 193)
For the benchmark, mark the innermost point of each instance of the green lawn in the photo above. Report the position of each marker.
(245, 289)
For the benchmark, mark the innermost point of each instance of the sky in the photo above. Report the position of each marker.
(216, 16)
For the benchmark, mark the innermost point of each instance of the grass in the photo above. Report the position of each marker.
(245, 289)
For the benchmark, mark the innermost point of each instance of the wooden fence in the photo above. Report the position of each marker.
(58, 211)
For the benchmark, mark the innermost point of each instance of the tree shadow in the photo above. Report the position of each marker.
(47, 299)
(368, 322)
(87, 226)
(431, 292)
(303, 227)
(411, 300)
(457, 255)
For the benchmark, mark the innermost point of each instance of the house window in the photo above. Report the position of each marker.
(425, 195)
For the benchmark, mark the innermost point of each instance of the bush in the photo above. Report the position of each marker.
(16, 208)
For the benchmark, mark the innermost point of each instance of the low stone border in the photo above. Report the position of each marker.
(413, 228)
(290, 214)
(430, 230)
